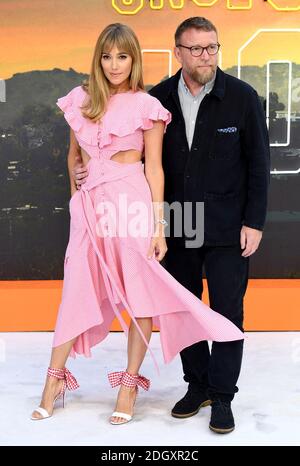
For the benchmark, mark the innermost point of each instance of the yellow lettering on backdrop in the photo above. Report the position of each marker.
(137, 5)
(281, 5)
(132, 7)
(159, 4)
(239, 4)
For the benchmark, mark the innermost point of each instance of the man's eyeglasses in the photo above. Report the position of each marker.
(197, 50)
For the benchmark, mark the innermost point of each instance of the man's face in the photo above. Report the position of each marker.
(199, 69)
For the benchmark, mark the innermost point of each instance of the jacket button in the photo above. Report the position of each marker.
(187, 176)
(195, 148)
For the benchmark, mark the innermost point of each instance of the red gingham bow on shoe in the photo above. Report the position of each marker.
(129, 380)
(70, 381)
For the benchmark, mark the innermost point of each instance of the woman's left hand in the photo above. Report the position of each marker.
(158, 246)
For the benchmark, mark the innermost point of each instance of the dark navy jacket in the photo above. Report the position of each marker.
(228, 166)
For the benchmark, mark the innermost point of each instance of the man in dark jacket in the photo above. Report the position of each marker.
(215, 151)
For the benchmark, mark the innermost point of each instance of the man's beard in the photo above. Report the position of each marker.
(203, 77)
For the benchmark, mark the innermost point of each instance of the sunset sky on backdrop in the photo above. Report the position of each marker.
(47, 34)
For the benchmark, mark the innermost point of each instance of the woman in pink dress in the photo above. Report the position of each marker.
(112, 261)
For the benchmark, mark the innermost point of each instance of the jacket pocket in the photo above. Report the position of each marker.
(225, 145)
(220, 196)
(223, 212)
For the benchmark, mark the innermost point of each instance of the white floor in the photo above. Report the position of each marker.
(266, 409)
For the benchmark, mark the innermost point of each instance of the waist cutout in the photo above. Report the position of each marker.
(106, 170)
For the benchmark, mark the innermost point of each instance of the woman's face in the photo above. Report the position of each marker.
(116, 66)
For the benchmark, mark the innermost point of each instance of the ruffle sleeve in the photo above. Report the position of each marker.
(70, 104)
(153, 111)
(137, 114)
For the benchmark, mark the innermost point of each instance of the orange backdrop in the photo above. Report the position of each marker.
(33, 305)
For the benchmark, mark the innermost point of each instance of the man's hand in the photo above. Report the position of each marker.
(250, 239)
(79, 173)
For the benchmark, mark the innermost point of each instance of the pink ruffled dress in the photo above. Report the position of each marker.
(105, 273)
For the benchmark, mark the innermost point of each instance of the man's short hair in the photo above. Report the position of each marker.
(196, 22)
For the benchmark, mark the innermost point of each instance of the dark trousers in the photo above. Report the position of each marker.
(214, 372)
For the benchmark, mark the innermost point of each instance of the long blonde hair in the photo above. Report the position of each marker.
(97, 85)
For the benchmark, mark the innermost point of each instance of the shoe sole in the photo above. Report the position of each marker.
(221, 431)
(183, 416)
(119, 423)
